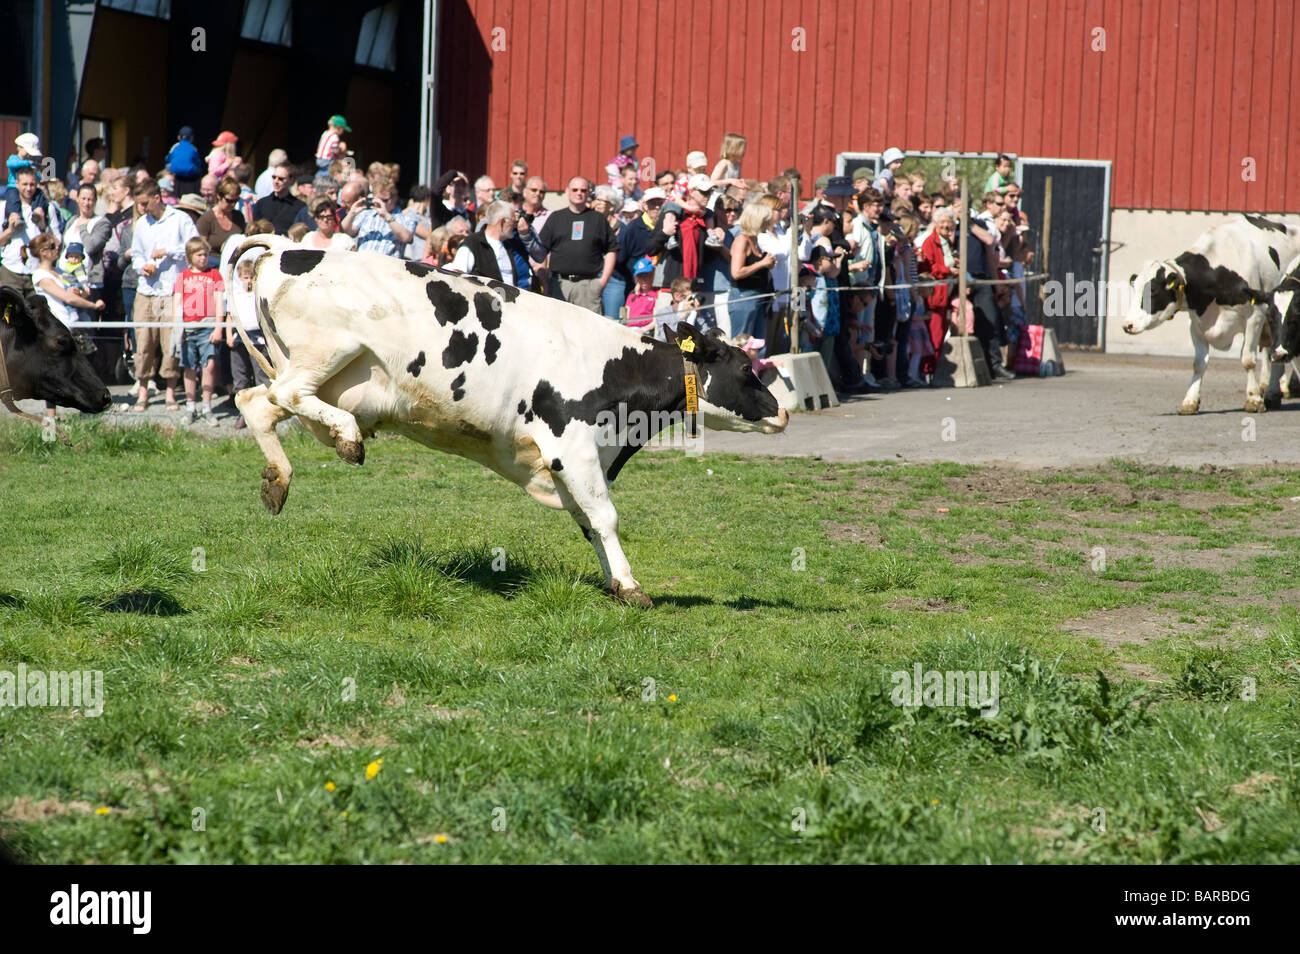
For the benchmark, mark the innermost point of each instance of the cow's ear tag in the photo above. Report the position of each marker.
(9, 310)
(687, 345)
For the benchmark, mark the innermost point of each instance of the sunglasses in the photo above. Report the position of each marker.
(279, 178)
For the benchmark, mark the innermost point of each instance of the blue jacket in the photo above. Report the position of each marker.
(183, 160)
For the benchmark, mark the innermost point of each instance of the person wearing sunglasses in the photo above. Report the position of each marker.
(582, 247)
(281, 207)
(326, 236)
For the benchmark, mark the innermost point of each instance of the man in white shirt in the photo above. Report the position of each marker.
(158, 255)
(484, 253)
(22, 227)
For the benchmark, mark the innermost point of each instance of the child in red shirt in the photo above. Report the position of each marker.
(199, 298)
(641, 303)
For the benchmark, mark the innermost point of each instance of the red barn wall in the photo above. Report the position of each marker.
(1183, 93)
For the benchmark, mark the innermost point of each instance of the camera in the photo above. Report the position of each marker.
(369, 202)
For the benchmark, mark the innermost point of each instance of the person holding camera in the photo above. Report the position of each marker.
(372, 222)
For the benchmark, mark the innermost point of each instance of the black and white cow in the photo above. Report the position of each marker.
(525, 385)
(1286, 302)
(1223, 282)
(43, 360)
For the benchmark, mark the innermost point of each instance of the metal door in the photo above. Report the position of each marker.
(1079, 243)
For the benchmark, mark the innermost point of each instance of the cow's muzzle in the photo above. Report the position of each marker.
(777, 424)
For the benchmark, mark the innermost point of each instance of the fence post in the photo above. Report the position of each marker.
(1047, 233)
(794, 267)
(964, 225)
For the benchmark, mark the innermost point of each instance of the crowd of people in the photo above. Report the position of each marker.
(870, 280)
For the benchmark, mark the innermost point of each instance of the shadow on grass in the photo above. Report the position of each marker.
(145, 602)
(739, 603)
(9, 600)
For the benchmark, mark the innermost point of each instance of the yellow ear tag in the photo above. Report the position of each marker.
(9, 310)
(687, 345)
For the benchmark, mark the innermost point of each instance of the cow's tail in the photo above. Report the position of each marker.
(265, 242)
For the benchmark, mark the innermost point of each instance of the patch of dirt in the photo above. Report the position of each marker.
(853, 532)
(328, 740)
(913, 604)
(207, 710)
(1254, 786)
(24, 808)
(1013, 486)
(1127, 625)
(1143, 672)
(397, 698)
(446, 715)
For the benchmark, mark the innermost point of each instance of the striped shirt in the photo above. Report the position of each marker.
(374, 235)
(328, 140)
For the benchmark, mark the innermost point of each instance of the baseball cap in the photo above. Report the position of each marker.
(892, 154)
(627, 142)
(631, 205)
(862, 172)
(75, 248)
(821, 181)
(819, 252)
(653, 193)
(305, 179)
(337, 120)
(185, 132)
(167, 184)
(700, 181)
(643, 265)
(225, 137)
(696, 158)
(806, 269)
(29, 142)
(839, 185)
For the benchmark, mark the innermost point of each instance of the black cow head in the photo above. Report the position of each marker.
(1286, 299)
(43, 358)
(731, 397)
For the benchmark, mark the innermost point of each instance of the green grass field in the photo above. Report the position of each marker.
(521, 716)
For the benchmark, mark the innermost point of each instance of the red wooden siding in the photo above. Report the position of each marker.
(1184, 92)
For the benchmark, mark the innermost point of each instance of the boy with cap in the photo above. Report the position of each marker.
(893, 160)
(330, 146)
(641, 302)
(29, 150)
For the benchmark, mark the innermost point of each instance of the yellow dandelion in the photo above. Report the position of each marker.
(934, 801)
(672, 698)
(329, 786)
(372, 769)
(102, 810)
(440, 839)
(343, 814)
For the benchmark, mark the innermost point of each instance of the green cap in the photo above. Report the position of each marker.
(337, 120)
(862, 172)
(822, 180)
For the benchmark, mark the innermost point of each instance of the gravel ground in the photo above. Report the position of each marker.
(1105, 406)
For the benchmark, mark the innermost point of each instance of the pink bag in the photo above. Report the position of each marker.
(1029, 350)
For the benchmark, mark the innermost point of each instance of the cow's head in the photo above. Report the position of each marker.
(43, 358)
(1286, 299)
(1156, 297)
(731, 397)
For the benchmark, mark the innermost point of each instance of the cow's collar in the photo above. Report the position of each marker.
(691, 374)
(7, 392)
(1177, 284)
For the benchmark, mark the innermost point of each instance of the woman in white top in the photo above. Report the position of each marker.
(326, 236)
(53, 287)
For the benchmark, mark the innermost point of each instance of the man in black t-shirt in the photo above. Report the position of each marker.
(582, 246)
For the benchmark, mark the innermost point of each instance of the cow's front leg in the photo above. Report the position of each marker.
(1250, 360)
(584, 493)
(261, 416)
(295, 391)
(1200, 359)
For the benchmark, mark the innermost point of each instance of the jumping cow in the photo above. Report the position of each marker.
(1223, 281)
(43, 360)
(525, 385)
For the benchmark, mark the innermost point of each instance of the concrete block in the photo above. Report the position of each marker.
(961, 364)
(802, 383)
(1052, 353)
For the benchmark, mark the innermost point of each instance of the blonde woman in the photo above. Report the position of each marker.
(751, 273)
(727, 171)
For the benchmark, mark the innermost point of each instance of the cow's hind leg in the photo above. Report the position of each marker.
(584, 493)
(1250, 361)
(295, 392)
(261, 416)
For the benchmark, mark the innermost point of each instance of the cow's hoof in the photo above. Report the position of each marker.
(633, 597)
(1186, 408)
(274, 490)
(354, 452)
(1255, 405)
(1273, 401)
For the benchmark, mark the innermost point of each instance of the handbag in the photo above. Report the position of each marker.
(1028, 352)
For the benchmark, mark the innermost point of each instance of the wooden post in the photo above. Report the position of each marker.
(795, 289)
(1047, 233)
(964, 225)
